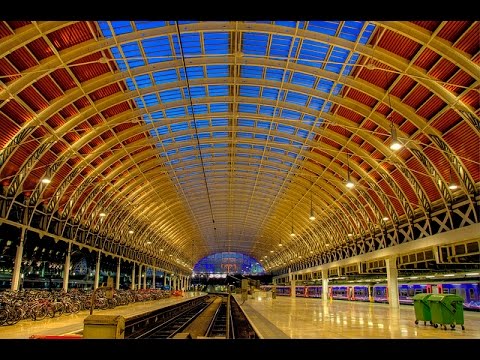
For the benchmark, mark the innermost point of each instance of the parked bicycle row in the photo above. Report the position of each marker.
(39, 304)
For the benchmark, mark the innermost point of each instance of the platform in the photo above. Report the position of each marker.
(311, 318)
(73, 323)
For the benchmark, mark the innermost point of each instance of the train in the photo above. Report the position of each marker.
(468, 290)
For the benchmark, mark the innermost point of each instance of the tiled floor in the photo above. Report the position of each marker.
(310, 318)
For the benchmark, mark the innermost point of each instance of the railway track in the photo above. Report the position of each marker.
(207, 319)
(173, 326)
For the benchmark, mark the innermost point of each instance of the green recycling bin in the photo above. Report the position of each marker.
(422, 308)
(446, 309)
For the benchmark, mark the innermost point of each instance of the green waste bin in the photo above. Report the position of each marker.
(446, 309)
(422, 308)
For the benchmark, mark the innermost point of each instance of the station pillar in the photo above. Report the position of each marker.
(117, 275)
(97, 271)
(139, 282)
(325, 285)
(66, 267)
(18, 262)
(392, 281)
(153, 278)
(132, 285)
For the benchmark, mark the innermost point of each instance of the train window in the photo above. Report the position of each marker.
(453, 291)
(403, 292)
(411, 292)
(418, 291)
(472, 294)
(445, 290)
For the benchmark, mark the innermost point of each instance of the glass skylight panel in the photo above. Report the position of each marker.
(313, 53)
(292, 154)
(219, 146)
(327, 107)
(165, 76)
(162, 130)
(118, 57)
(353, 60)
(280, 46)
(195, 91)
(296, 98)
(105, 29)
(122, 27)
(247, 108)
(243, 146)
(219, 122)
(218, 90)
(179, 127)
(264, 124)
(316, 103)
(175, 112)
(261, 137)
(198, 109)
(302, 133)
(291, 24)
(157, 49)
(201, 123)
(254, 43)
(189, 158)
(186, 148)
(274, 74)
(266, 110)
(350, 30)
(193, 72)
(286, 129)
(324, 27)
(203, 135)
(245, 122)
(218, 107)
(190, 44)
(157, 115)
(182, 138)
(259, 147)
(306, 80)
(290, 114)
(220, 134)
(325, 85)
(170, 95)
(144, 25)
(214, 71)
(276, 150)
(244, 135)
(338, 88)
(269, 93)
(367, 33)
(216, 43)
(143, 81)
(281, 140)
(130, 84)
(167, 141)
(132, 53)
(150, 99)
(308, 119)
(251, 72)
(249, 91)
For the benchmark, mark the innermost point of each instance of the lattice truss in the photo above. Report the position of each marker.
(193, 138)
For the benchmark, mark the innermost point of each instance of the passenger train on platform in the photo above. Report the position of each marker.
(469, 290)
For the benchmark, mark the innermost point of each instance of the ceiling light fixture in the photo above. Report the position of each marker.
(349, 183)
(102, 214)
(312, 215)
(395, 144)
(451, 184)
(47, 178)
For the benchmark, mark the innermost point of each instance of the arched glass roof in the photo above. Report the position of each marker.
(199, 137)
